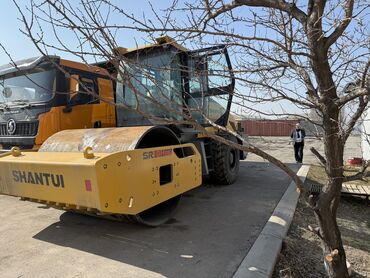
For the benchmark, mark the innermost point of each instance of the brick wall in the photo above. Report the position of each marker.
(268, 127)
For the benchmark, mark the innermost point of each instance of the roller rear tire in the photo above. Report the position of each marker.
(226, 164)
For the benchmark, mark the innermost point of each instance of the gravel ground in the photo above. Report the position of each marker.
(301, 255)
(281, 148)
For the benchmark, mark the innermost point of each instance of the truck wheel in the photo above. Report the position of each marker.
(226, 164)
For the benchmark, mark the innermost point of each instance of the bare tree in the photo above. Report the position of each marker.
(299, 54)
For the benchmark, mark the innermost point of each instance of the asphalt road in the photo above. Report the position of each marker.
(211, 232)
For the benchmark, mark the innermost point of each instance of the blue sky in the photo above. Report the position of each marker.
(19, 46)
(11, 38)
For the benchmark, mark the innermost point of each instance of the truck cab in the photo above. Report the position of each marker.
(43, 95)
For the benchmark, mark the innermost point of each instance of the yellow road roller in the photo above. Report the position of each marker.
(138, 169)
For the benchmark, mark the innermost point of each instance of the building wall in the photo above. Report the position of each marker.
(268, 127)
(365, 136)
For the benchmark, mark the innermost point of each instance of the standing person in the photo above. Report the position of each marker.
(298, 135)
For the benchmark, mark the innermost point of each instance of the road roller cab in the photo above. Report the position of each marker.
(165, 79)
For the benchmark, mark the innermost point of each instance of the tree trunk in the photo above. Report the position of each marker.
(334, 256)
(326, 208)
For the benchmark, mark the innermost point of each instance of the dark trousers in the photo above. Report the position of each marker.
(298, 151)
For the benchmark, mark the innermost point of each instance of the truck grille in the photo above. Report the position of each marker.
(22, 129)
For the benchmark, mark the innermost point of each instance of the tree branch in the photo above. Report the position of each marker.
(361, 91)
(360, 110)
(360, 175)
(289, 8)
(318, 155)
(348, 9)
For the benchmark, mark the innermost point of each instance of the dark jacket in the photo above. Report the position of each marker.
(294, 134)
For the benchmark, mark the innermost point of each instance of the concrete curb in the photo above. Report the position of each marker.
(261, 258)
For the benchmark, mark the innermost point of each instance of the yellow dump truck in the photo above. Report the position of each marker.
(138, 169)
(41, 96)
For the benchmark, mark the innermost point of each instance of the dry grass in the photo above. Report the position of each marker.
(317, 175)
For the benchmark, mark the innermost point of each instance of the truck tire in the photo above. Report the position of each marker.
(226, 164)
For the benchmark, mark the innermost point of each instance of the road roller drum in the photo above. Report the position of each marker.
(144, 183)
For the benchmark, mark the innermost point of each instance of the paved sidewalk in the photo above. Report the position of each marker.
(261, 258)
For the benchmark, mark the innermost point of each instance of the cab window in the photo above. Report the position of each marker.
(210, 84)
(87, 92)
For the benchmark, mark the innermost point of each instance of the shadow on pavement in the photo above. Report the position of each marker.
(214, 227)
